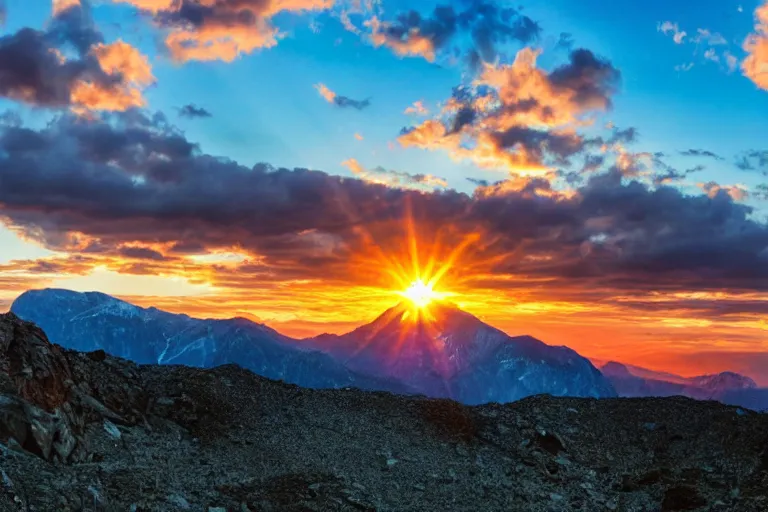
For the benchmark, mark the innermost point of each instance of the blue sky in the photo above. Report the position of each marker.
(607, 262)
(265, 108)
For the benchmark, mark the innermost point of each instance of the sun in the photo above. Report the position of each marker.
(422, 294)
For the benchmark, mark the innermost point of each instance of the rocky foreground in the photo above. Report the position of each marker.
(85, 431)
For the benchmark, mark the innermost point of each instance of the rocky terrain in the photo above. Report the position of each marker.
(86, 431)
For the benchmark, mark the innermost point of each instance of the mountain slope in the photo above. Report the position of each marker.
(727, 387)
(174, 438)
(91, 321)
(446, 352)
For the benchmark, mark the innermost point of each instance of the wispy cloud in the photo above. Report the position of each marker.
(417, 108)
(193, 111)
(667, 27)
(392, 178)
(341, 101)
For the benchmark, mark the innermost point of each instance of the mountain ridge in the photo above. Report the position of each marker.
(727, 387)
(437, 360)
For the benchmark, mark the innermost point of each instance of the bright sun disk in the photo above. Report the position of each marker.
(421, 294)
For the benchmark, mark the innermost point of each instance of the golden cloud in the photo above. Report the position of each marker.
(755, 66)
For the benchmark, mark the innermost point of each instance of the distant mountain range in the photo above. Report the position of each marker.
(727, 387)
(450, 355)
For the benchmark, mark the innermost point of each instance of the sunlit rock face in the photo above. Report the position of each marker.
(439, 351)
(442, 351)
(90, 321)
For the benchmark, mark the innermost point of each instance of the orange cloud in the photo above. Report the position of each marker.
(62, 5)
(326, 93)
(414, 45)
(737, 192)
(417, 108)
(153, 6)
(358, 136)
(121, 60)
(223, 30)
(755, 66)
(528, 116)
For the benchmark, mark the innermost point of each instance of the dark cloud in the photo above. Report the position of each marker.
(479, 183)
(74, 26)
(34, 70)
(701, 153)
(95, 187)
(192, 111)
(671, 175)
(565, 41)
(753, 160)
(30, 71)
(540, 143)
(221, 30)
(140, 253)
(479, 29)
(592, 79)
(346, 102)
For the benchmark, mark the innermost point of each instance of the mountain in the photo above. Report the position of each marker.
(88, 431)
(452, 354)
(446, 352)
(92, 321)
(727, 387)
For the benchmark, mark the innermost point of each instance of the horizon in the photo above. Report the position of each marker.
(761, 378)
(301, 172)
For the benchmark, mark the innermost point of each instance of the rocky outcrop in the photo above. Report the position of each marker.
(47, 396)
(166, 438)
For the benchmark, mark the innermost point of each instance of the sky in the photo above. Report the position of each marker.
(590, 173)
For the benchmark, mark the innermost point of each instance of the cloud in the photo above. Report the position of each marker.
(127, 185)
(753, 160)
(736, 192)
(192, 111)
(684, 67)
(417, 109)
(565, 41)
(480, 29)
(102, 77)
(358, 136)
(60, 6)
(755, 66)
(519, 117)
(220, 30)
(667, 27)
(670, 176)
(393, 178)
(701, 153)
(341, 101)
(705, 36)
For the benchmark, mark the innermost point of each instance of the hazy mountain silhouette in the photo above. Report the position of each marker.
(728, 387)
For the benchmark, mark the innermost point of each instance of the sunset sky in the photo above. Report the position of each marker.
(591, 173)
